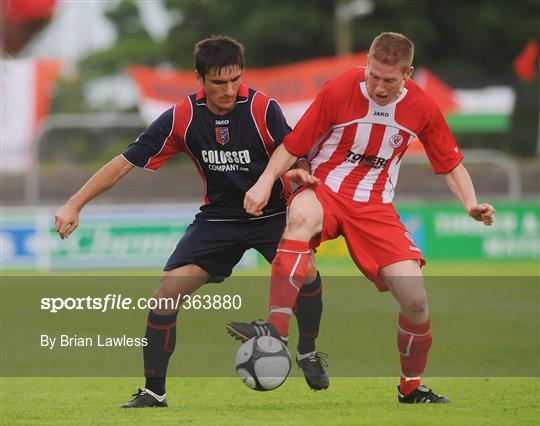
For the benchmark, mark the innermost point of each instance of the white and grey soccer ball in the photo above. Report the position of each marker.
(263, 363)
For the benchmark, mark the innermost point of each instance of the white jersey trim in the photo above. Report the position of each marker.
(390, 108)
(251, 218)
(364, 120)
(134, 165)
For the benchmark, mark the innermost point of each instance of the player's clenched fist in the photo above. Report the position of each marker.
(483, 213)
(66, 220)
(257, 197)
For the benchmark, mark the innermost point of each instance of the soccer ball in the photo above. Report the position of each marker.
(263, 363)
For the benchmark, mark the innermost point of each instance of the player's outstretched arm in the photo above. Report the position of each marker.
(460, 183)
(257, 196)
(67, 217)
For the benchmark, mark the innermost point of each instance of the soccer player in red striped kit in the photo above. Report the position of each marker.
(355, 134)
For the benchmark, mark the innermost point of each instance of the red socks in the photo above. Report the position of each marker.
(289, 270)
(413, 341)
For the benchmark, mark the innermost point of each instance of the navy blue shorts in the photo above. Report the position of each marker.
(218, 246)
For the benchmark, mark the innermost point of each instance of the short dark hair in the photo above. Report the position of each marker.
(392, 49)
(218, 51)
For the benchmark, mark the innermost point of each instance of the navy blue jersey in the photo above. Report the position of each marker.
(230, 151)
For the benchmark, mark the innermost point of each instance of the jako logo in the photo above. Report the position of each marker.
(381, 114)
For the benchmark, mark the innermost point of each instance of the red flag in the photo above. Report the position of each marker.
(525, 63)
(28, 10)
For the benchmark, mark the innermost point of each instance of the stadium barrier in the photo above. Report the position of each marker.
(133, 121)
(143, 236)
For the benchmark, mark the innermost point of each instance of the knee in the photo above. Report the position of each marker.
(302, 221)
(161, 302)
(415, 305)
(160, 292)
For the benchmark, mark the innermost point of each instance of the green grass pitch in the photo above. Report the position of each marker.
(499, 353)
(225, 401)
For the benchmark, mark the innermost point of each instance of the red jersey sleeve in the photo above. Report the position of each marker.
(314, 124)
(440, 145)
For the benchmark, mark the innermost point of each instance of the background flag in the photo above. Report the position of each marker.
(526, 62)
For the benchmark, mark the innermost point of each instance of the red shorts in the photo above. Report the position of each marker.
(374, 234)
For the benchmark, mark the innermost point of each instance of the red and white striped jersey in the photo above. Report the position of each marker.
(355, 146)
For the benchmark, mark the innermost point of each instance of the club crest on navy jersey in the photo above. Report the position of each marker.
(222, 135)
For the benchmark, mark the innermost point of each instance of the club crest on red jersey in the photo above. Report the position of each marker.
(409, 236)
(396, 140)
(222, 135)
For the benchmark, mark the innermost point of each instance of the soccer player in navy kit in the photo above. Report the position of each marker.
(229, 131)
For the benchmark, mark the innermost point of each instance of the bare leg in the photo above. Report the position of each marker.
(184, 280)
(305, 217)
(404, 279)
(161, 326)
(291, 266)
